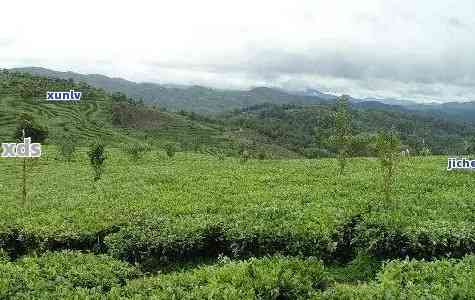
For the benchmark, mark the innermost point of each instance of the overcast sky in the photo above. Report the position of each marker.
(419, 49)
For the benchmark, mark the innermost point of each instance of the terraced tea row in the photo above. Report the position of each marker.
(79, 118)
(85, 276)
(161, 209)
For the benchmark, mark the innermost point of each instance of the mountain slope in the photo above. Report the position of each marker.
(308, 129)
(206, 100)
(86, 120)
(193, 98)
(117, 119)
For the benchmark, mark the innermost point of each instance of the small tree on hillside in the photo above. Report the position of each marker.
(343, 131)
(245, 156)
(32, 129)
(469, 146)
(262, 154)
(170, 149)
(66, 145)
(387, 146)
(425, 149)
(135, 150)
(97, 157)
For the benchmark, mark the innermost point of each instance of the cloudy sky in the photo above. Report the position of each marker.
(419, 49)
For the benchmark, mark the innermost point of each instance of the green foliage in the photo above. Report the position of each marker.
(97, 156)
(470, 146)
(388, 145)
(245, 156)
(115, 119)
(315, 152)
(170, 149)
(363, 145)
(425, 151)
(38, 133)
(411, 279)
(304, 128)
(268, 278)
(265, 207)
(66, 145)
(342, 131)
(87, 119)
(135, 150)
(363, 268)
(61, 275)
(218, 153)
(197, 207)
(262, 154)
(3, 256)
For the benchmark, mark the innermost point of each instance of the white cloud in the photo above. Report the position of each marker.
(414, 49)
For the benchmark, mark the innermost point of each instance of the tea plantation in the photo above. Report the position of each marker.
(201, 227)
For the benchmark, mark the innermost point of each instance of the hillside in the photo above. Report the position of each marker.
(206, 100)
(195, 226)
(307, 129)
(117, 119)
(266, 129)
(189, 98)
(198, 225)
(86, 120)
(450, 110)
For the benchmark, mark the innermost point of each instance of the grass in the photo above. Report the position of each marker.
(196, 226)
(299, 205)
(159, 212)
(85, 121)
(75, 275)
(90, 119)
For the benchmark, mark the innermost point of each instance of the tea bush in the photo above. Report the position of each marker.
(268, 278)
(54, 274)
(135, 150)
(97, 157)
(411, 279)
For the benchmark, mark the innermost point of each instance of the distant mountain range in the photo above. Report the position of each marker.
(208, 100)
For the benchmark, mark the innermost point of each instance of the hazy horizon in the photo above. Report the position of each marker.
(422, 50)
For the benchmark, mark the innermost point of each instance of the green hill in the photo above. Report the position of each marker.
(117, 119)
(189, 98)
(163, 215)
(207, 100)
(201, 226)
(307, 129)
(86, 120)
(271, 130)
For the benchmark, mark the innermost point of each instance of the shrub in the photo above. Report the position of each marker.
(216, 152)
(38, 133)
(170, 149)
(97, 157)
(245, 156)
(411, 279)
(388, 153)
(55, 275)
(135, 150)
(268, 278)
(425, 151)
(220, 155)
(66, 146)
(262, 155)
(343, 132)
(316, 153)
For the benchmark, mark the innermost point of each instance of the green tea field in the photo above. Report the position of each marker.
(199, 227)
